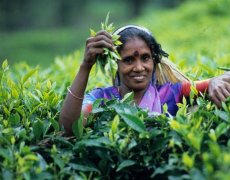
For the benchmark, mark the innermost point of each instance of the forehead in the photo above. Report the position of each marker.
(135, 44)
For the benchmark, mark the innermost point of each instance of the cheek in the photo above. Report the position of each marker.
(123, 69)
(150, 67)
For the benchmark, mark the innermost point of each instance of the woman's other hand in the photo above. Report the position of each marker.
(95, 46)
(219, 88)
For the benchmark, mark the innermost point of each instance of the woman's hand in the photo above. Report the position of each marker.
(95, 46)
(219, 88)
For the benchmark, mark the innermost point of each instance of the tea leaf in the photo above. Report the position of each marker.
(84, 168)
(134, 122)
(92, 32)
(78, 127)
(38, 128)
(28, 75)
(128, 97)
(115, 124)
(5, 65)
(124, 164)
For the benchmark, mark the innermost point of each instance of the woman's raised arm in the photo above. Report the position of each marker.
(71, 109)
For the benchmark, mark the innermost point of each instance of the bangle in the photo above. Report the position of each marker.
(72, 94)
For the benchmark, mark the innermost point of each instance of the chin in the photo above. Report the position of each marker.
(139, 87)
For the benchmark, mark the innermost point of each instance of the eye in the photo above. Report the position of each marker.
(146, 57)
(128, 60)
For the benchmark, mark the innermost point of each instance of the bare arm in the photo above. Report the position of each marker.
(71, 109)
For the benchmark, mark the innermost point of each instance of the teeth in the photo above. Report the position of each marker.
(138, 77)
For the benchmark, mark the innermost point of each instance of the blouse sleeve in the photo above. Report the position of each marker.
(201, 86)
(90, 98)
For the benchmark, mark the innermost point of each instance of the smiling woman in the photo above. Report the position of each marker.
(138, 72)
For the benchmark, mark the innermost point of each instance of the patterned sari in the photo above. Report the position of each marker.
(153, 99)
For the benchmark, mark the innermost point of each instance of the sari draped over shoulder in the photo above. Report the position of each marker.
(151, 100)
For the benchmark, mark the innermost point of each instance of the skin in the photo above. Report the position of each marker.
(135, 71)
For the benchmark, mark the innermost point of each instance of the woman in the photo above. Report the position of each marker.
(140, 71)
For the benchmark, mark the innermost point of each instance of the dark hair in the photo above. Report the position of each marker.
(131, 32)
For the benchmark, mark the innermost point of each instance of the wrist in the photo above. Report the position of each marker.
(86, 66)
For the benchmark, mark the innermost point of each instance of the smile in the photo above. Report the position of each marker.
(138, 78)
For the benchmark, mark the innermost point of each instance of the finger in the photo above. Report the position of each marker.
(94, 51)
(216, 101)
(102, 32)
(227, 79)
(220, 96)
(89, 40)
(92, 41)
(225, 93)
(101, 44)
(228, 88)
(99, 38)
(103, 37)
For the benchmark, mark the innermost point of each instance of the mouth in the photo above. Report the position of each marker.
(138, 78)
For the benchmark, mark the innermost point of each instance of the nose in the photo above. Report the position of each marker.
(138, 66)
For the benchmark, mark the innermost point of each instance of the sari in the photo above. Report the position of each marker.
(153, 99)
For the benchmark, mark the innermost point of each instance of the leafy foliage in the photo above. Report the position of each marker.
(120, 141)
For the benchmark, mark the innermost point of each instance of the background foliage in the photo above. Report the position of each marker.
(120, 137)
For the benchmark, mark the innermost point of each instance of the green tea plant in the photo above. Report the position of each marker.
(121, 141)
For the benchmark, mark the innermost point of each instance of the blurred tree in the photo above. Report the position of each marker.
(169, 3)
(71, 11)
(18, 14)
(136, 7)
(12, 13)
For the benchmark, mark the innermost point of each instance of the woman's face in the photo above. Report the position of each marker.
(136, 67)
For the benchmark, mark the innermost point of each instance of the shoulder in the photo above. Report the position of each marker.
(170, 92)
(103, 92)
(98, 93)
(169, 87)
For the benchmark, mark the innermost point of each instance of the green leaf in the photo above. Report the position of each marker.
(224, 68)
(5, 65)
(55, 124)
(85, 168)
(92, 32)
(128, 97)
(124, 164)
(99, 142)
(107, 19)
(221, 129)
(115, 124)
(38, 128)
(58, 161)
(115, 55)
(77, 127)
(187, 160)
(222, 114)
(28, 75)
(134, 122)
(14, 119)
(63, 141)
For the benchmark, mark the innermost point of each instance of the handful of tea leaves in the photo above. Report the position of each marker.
(107, 62)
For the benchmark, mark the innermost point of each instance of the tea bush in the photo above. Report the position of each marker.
(121, 141)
